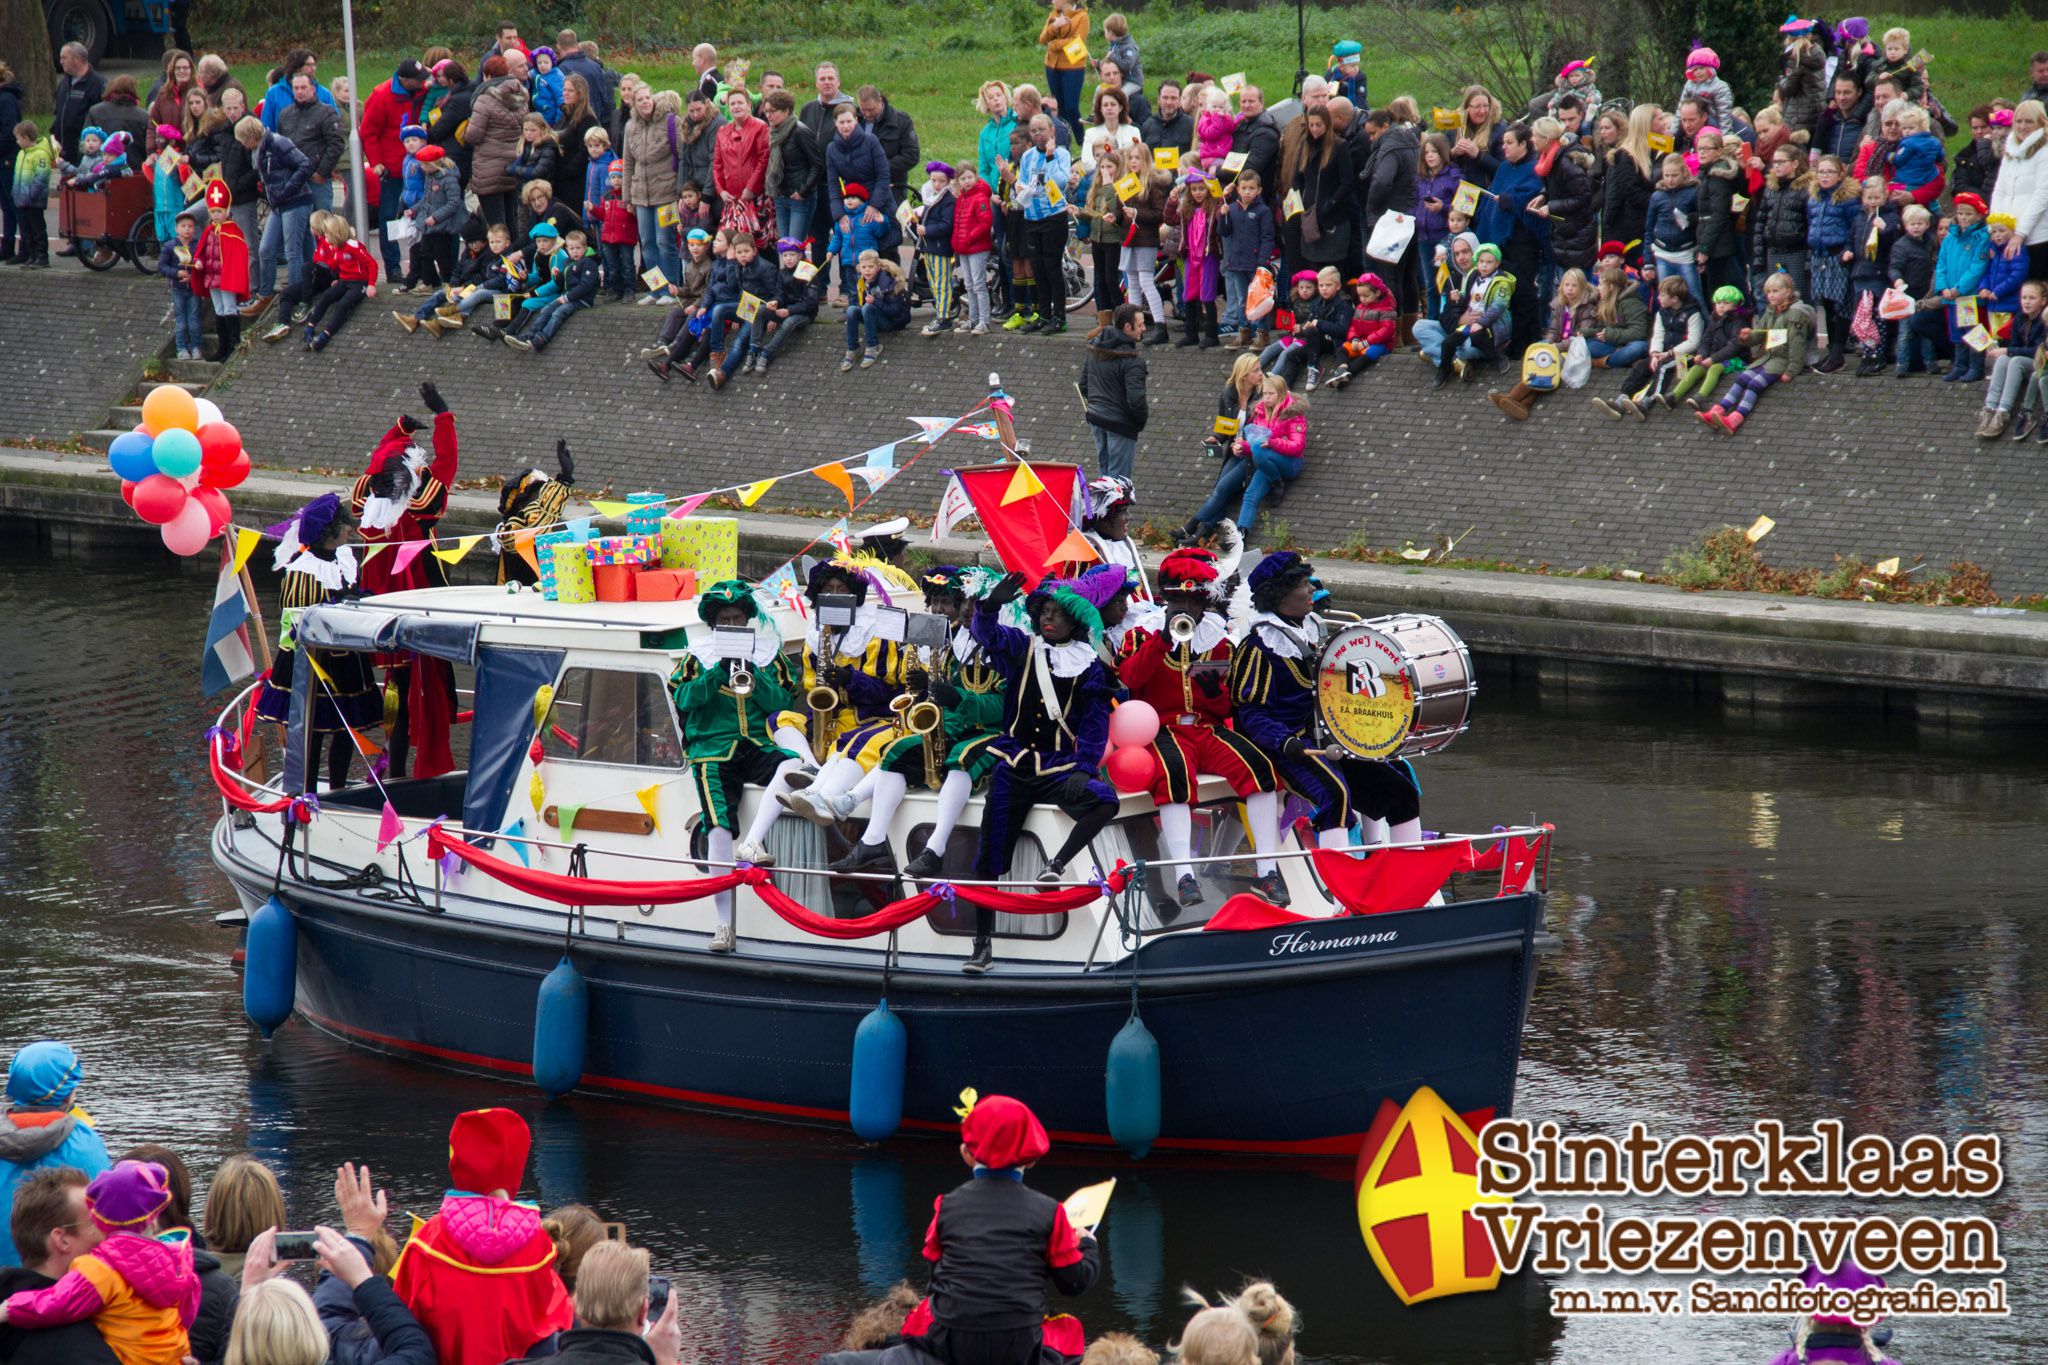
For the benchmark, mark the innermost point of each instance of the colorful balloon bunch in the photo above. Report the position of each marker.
(1131, 765)
(175, 465)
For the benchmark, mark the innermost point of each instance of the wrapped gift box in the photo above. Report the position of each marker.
(648, 510)
(710, 545)
(573, 580)
(544, 558)
(614, 582)
(665, 585)
(637, 551)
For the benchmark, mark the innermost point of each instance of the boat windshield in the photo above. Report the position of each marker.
(619, 716)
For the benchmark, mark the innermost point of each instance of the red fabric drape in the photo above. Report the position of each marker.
(566, 890)
(1391, 879)
(233, 792)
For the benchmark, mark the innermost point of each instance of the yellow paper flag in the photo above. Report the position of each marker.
(245, 545)
(462, 547)
(376, 548)
(1023, 484)
(1888, 567)
(1758, 529)
(318, 671)
(650, 800)
(1075, 549)
(1466, 199)
(836, 475)
(754, 492)
(543, 698)
(611, 509)
(1127, 187)
(1165, 158)
(1661, 143)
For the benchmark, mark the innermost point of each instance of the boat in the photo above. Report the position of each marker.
(428, 940)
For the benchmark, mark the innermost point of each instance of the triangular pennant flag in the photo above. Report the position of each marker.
(579, 529)
(650, 801)
(611, 509)
(565, 819)
(517, 830)
(245, 545)
(934, 427)
(389, 827)
(873, 477)
(689, 505)
(536, 791)
(838, 539)
(1075, 549)
(405, 554)
(881, 457)
(462, 547)
(522, 544)
(782, 581)
(375, 548)
(322, 674)
(754, 492)
(1023, 484)
(836, 475)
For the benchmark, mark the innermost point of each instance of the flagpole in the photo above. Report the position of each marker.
(355, 132)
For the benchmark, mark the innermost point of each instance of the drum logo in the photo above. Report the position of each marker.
(1366, 695)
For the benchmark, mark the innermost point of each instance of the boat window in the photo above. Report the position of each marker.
(1218, 831)
(799, 843)
(604, 715)
(958, 917)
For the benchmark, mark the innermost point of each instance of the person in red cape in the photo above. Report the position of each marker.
(992, 1244)
(480, 1274)
(1187, 682)
(220, 266)
(398, 502)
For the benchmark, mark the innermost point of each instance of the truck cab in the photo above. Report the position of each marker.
(105, 25)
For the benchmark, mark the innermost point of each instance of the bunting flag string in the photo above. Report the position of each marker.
(246, 540)
(836, 475)
(754, 492)
(405, 553)
(462, 547)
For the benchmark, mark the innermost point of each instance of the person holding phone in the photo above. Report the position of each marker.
(350, 1304)
(623, 1313)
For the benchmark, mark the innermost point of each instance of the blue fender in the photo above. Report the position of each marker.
(880, 1049)
(270, 966)
(1131, 1087)
(561, 1030)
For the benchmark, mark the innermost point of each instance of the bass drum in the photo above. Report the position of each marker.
(1395, 687)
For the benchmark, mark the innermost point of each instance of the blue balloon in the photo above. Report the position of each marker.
(176, 453)
(130, 456)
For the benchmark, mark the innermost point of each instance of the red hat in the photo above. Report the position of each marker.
(1001, 1132)
(1613, 249)
(853, 191)
(429, 154)
(393, 448)
(1193, 568)
(1975, 201)
(487, 1150)
(218, 195)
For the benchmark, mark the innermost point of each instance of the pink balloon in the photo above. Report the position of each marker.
(1133, 724)
(217, 510)
(188, 532)
(1134, 769)
(159, 498)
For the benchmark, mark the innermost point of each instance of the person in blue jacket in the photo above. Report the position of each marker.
(1958, 272)
(39, 1128)
(1505, 218)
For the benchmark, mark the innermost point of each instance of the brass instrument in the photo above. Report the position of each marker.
(1181, 629)
(824, 703)
(925, 719)
(739, 679)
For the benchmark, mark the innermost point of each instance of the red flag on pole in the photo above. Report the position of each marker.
(1025, 527)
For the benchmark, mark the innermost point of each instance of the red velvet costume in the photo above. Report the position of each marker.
(220, 258)
(480, 1274)
(428, 692)
(1194, 718)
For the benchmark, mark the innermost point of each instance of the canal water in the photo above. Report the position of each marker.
(1800, 920)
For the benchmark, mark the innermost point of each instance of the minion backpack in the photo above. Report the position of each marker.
(1542, 366)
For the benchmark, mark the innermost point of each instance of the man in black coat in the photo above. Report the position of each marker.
(1258, 137)
(50, 1229)
(612, 1322)
(897, 134)
(315, 128)
(1170, 125)
(817, 115)
(1113, 386)
(1387, 185)
(78, 90)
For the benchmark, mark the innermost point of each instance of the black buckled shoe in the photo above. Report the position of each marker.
(1271, 887)
(925, 867)
(983, 958)
(866, 858)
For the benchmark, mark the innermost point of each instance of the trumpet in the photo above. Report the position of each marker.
(739, 679)
(1181, 629)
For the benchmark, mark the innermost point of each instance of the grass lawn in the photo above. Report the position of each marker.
(933, 72)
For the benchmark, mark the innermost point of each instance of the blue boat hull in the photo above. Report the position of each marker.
(1282, 1040)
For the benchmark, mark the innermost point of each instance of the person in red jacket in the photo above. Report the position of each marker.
(1372, 331)
(387, 109)
(973, 241)
(739, 171)
(220, 266)
(355, 278)
(480, 1274)
(399, 500)
(1181, 666)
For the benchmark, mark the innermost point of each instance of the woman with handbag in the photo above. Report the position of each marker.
(1316, 182)
(1830, 216)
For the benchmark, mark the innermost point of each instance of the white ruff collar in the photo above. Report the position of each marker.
(332, 574)
(1211, 631)
(1137, 616)
(381, 514)
(964, 646)
(1290, 641)
(1069, 660)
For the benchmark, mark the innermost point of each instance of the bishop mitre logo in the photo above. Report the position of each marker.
(1418, 1179)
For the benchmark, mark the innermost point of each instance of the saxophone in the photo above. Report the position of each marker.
(823, 699)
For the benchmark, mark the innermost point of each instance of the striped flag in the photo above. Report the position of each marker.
(228, 658)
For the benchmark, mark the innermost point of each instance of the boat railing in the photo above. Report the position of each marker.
(229, 722)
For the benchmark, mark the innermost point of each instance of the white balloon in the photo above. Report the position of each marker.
(209, 411)
(191, 480)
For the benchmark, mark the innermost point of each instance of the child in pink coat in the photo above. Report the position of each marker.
(1215, 128)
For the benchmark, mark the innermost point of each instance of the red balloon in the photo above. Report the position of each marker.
(218, 442)
(158, 499)
(228, 473)
(128, 491)
(1132, 769)
(217, 510)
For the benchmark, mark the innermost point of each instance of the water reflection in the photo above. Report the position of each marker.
(1825, 918)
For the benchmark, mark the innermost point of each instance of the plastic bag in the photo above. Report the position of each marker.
(1390, 236)
(1895, 304)
(1578, 364)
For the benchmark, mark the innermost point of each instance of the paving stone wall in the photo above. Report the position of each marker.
(73, 345)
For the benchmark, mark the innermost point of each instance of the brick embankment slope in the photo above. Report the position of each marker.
(72, 345)
(1871, 468)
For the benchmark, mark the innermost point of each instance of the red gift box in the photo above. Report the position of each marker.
(614, 581)
(665, 585)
